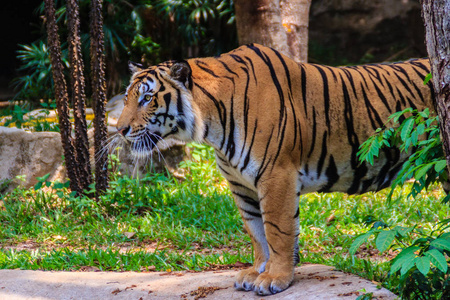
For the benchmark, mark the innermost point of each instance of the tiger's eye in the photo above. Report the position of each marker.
(148, 97)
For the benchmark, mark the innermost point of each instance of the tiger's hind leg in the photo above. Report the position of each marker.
(248, 204)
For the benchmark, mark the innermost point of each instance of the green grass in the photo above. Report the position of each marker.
(114, 260)
(170, 224)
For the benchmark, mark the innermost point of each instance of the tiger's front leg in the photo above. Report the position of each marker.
(248, 205)
(277, 192)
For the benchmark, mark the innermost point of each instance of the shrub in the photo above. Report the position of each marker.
(422, 263)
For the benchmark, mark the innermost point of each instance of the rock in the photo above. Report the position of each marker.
(358, 31)
(30, 154)
(114, 109)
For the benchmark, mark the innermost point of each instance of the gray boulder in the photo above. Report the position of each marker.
(31, 155)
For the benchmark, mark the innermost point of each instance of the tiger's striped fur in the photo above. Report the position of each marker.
(279, 129)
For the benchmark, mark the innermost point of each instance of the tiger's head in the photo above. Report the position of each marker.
(158, 105)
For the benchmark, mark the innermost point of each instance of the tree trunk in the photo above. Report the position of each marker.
(61, 95)
(78, 95)
(295, 17)
(259, 21)
(99, 96)
(436, 16)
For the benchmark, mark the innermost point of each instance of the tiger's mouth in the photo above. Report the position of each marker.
(145, 143)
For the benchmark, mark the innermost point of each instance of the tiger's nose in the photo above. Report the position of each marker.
(124, 130)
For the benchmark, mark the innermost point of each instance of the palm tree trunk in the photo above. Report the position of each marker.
(61, 96)
(78, 95)
(99, 95)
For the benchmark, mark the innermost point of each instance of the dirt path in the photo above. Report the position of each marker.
(311, 282)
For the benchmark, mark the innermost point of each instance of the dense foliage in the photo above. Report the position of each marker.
(422, 263)
(416, 132)
(146, 31)
(20, 116)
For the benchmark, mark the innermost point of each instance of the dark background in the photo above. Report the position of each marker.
(19, 25)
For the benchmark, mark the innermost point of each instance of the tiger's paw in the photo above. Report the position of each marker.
(245, 279)
(268, 284)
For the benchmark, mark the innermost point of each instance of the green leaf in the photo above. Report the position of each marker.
(385, 239)
(403, 257)
(414, 137)
(421, 128)
(421, 171)
(407, 127)
(379, 224)
(441, 243)
(43, 178)
(423, 264)
(425, 113)
(440, 165)
(438, 259)
(38, 185)
(406, 266)
(366, 296)
(427, 78)
(420, 241)
(358, 242)
(403, 231)
(196, 156)
(58, 185)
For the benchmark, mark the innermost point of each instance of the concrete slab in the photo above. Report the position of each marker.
(312, 282)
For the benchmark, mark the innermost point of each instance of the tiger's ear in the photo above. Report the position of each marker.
(181, 71)
(135, 67)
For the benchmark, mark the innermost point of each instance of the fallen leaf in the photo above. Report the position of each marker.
(316, 229)
(331, 219)
(116, 291)
(148, 269)
(130, 287)
(129, 234)
(89, 269)
(202, 292)
(172, 273)
(349, 294)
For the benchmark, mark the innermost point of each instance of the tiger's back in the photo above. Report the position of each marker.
(317, 115)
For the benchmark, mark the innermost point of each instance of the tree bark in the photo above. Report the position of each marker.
(295, 17)
(436, 16)
(78, 96)
(259, 21)
(61, 96)
(99, 96)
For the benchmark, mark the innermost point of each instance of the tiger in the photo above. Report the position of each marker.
(279, 129)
